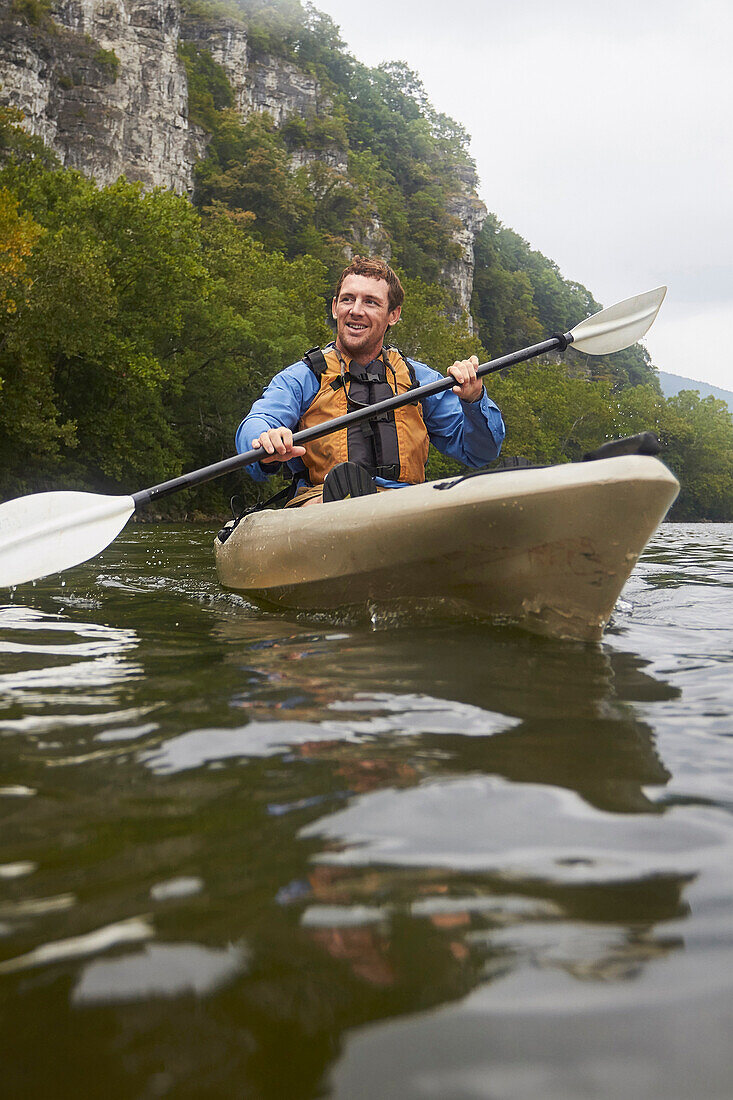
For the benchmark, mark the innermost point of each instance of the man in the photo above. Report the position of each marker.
(357, 370)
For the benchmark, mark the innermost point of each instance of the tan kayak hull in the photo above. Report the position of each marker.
(549, 549)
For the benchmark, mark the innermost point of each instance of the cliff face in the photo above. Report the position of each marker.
(259, 82)
(102, 82)
(469, 214)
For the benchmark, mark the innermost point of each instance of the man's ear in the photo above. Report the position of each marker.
(394, 315)
(333, 309)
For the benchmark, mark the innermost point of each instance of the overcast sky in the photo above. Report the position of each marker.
(602, 134)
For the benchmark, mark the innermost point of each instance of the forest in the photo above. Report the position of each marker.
(136, 328)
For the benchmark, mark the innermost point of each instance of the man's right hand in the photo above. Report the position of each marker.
(278, 446)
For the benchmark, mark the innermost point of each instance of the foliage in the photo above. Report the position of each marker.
(17, 144)
(520, 297)
(142, 335)
(269, 312)
(247, 170)
(193, 11)
(209, 90)
(35, 12)
(424, 331)
(699, 448)
(415, 157)
(136, 329)
(503, 300)
(316, 133)
(110, 60)
(18, 234)
(550, 415)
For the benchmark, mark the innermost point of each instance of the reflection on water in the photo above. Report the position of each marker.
(229, 841)
(159, 970)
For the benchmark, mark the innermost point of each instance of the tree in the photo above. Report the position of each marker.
(698, 434)
(268, 312)
(517, 290)
(551, 416)
(87, 358)
(247, 169)
(18, 234)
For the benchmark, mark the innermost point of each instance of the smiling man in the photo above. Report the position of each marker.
(357, 369)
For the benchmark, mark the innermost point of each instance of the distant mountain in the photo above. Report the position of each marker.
(673, 383)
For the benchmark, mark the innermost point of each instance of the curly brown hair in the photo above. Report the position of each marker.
(374, 268)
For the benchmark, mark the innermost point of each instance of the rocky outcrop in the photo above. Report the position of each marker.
(260, 82)
(226, 41)
(369, 238)
(101, 82)
(278, 87)
(332, 157)
(469, 214)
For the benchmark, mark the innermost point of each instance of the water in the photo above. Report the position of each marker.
(243, 855)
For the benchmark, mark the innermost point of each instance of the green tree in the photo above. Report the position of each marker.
(96, 340)
(698, 438)
(503, 300)
(269, 311)
(521, 297)
(424, 331)
(209, 90)
(247, 169)
(550, 415)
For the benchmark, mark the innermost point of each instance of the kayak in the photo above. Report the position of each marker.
(547, 548)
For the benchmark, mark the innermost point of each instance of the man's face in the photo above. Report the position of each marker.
(362, 315)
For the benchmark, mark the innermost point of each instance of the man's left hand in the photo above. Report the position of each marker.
(469, 387)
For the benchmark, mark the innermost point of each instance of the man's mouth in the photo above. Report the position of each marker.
(355, 327)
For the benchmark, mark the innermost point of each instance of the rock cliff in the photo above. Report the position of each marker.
(103, 83)
(259, 82)
(469, 214)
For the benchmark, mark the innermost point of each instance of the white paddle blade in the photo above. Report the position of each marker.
(619, 326)
(49, 532)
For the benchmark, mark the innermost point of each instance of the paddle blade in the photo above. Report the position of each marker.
(619, 326)
(49, 532)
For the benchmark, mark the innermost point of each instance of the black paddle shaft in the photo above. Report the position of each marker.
(217, 469)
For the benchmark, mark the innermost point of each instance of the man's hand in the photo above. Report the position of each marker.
(469, 387)
(277, 445)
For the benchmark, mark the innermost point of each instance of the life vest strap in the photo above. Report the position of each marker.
(316, 360)
(390, 445)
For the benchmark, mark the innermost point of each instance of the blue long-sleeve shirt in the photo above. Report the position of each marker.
(471, 433)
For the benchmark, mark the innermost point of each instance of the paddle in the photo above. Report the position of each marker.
(49, 532)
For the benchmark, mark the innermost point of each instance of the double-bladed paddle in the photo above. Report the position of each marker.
(49, 532)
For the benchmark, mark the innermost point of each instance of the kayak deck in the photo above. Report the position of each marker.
(549, 548)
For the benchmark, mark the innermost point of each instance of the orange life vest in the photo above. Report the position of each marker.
(393, 446)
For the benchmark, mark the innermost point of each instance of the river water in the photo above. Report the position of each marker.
(249, 856)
